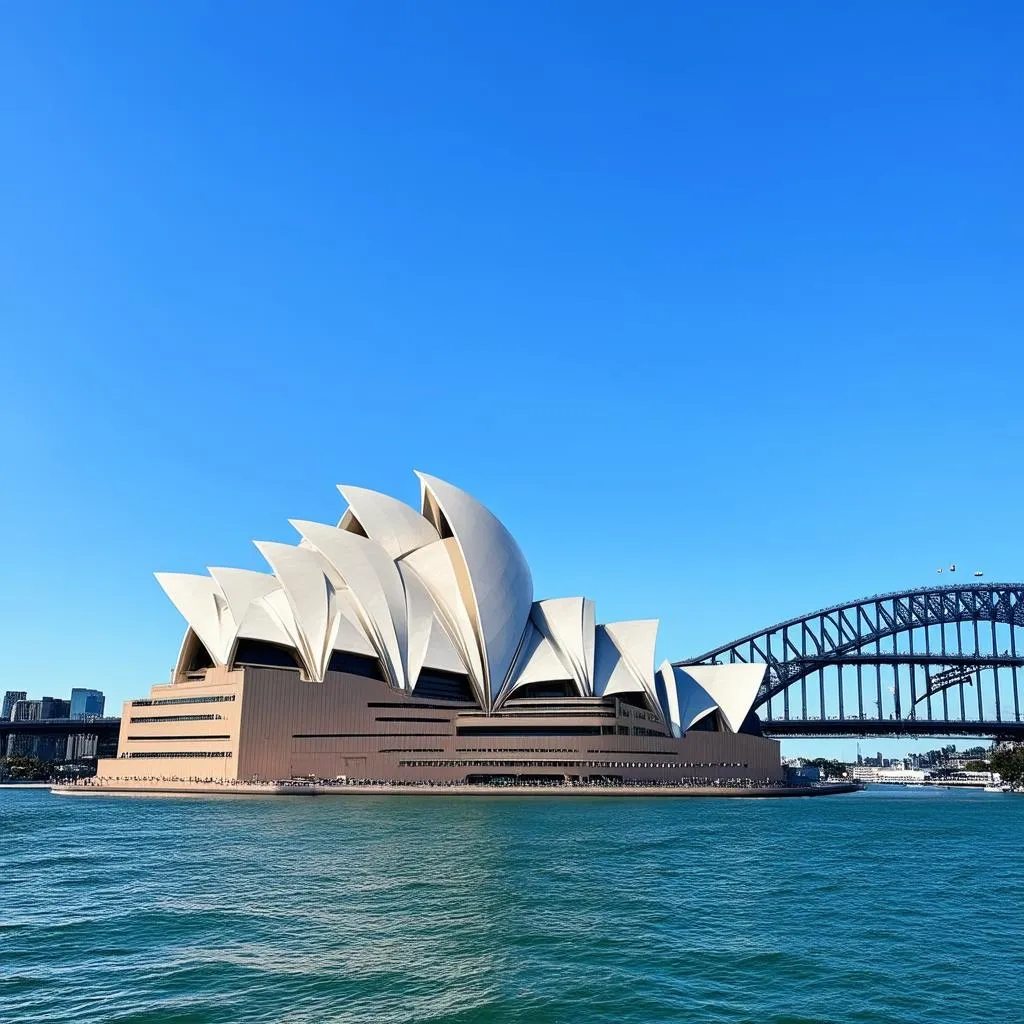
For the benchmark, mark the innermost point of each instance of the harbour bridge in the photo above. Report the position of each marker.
(937, 661)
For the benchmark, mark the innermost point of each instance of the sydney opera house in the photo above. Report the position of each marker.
(404, 645)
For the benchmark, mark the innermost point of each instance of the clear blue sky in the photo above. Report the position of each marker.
(718, 306)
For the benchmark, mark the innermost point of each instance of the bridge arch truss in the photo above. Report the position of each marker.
(934, 661)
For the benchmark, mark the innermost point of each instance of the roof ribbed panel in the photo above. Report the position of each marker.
(568, 624)
(732, 687)
(205, 608)
(499, 582)
(436, 567)
(311, 597)
(376, 589)
(684, 701)
(396, 527)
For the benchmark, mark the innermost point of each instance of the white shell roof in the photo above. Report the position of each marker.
(684, 701)
(499, 581)
(262, 622)
(732, 687)
(538, 662)
(243, 586)
(568, 624)
(395, 526)
(205, 608)
(447, 589)
(435, 566)
(624, 658)
(311, 598)
(376, 589)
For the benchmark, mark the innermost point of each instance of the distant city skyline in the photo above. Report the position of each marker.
(82, 702)
(845, 749)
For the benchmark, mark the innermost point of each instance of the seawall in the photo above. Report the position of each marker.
(123, 788)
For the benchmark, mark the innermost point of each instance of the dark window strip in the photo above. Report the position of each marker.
(409, 718)
(178, 718)
(182, 700)
(416, 706)
(363, 735)
(411, 750)
(179, 737)
(178, 753)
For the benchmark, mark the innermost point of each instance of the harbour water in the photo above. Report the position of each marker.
(892, 906)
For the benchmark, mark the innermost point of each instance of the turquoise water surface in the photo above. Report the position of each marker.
(881, 906)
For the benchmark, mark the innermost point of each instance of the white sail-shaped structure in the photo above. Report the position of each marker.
(438, 594)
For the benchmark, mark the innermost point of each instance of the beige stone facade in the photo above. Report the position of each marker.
(268, 724)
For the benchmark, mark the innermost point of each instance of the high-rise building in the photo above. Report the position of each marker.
(26, 710)
(87, 703)
(11, 697)
(55, 707)
(20, 745)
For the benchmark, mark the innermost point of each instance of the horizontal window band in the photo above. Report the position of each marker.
(590, 715)
(135, 755)
(454, 705)
(528, 730)
(648, 753)
(410, 718)
(165, 738)
(177, 718)
(410, 750)
(365, 735)
(183, 700)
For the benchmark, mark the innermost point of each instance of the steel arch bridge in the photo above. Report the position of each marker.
(930, 662)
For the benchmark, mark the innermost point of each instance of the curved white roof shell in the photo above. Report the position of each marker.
(311, 598)
(568, 624)
(684, 701)
(396, 527)
(205, 608)
(436, 566)
(732, 687)
(538, 661)
(376, 589)
(448, 590)
(493, 578)
(241, 587)
(263, 621)
(624, 658)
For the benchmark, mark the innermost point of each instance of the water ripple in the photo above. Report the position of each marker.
(876, 908)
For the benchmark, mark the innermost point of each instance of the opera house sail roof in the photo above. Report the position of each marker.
(442, 590)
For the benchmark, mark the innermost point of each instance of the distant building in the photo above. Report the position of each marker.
(23, 711)
(86, 703)
(973, 779)
(46, 748)
(893, 776)
(899, 776)
(11, 697)
(26, 710)
(55, 707)
(81, 746)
